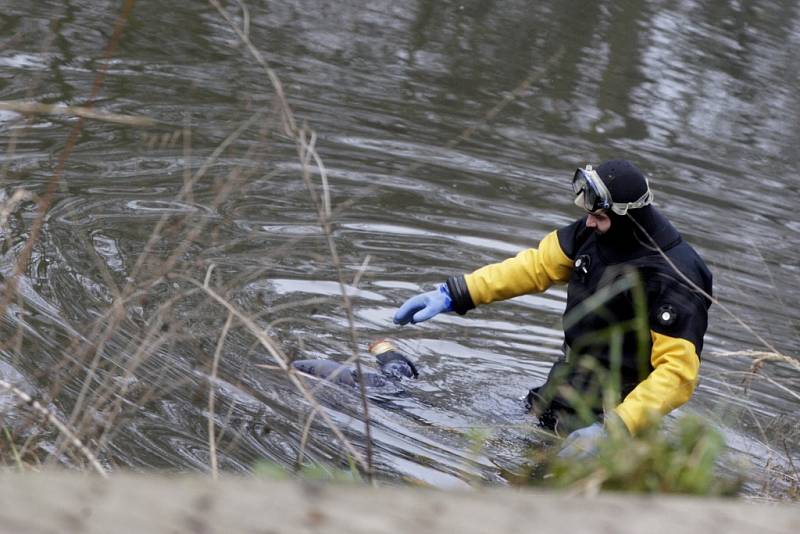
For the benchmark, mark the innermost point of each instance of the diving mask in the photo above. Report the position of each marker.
(593, 195)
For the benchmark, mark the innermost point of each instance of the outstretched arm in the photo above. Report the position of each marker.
(532, 270)
(529, 271)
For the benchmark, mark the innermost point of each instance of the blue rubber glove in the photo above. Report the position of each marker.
(423, 307)
(583, 443)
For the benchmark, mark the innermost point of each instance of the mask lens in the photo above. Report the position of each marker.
(590, 199)
(578, 182)
(595, 196)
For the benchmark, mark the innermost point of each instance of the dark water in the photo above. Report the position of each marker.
(702, 95)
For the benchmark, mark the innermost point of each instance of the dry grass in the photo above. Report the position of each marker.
(111, 382)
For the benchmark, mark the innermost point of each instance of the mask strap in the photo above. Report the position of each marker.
(645, 200)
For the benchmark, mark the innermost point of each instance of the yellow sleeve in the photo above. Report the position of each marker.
(532, 270)
(670, 384)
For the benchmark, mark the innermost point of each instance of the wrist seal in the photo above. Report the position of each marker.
(459, 292)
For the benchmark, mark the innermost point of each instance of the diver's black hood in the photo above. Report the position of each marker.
(624, 180)
(627, 240)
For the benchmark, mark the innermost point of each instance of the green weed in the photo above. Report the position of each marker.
(682, 460)
(313, 472)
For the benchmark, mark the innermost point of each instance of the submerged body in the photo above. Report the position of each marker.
(392, 365)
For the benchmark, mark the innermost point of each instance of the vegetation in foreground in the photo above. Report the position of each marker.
(683, 460)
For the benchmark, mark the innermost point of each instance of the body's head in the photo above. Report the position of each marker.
(393, 363)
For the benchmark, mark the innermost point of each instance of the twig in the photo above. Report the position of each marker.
(187, 156)
(131, 292)
(778, 385)
(245, 18)
(212, 444)
(11, 143)
(290, 125)
(304, 148)
(282, 361)
(208, 275)
(323, 174)
(36, 405)
(304, 438)
(153, 339)
(306, 151)
(361, 271)
(761, 357)
(187, 186)
(10, 205)
(14, 451)
(39, 108)
(700, 289)
(46, 200)
(791, 461)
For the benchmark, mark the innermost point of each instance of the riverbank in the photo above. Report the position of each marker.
(74, 502)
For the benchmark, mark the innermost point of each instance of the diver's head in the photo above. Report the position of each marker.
(616, 185)
(610, 193)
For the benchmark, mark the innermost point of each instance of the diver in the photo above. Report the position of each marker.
(393, 367)
(620, 257)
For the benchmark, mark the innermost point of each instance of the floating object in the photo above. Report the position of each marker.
(393, 367)
(393, 363)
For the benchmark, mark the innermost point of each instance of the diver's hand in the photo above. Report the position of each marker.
(423, 307)
(583, 443)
